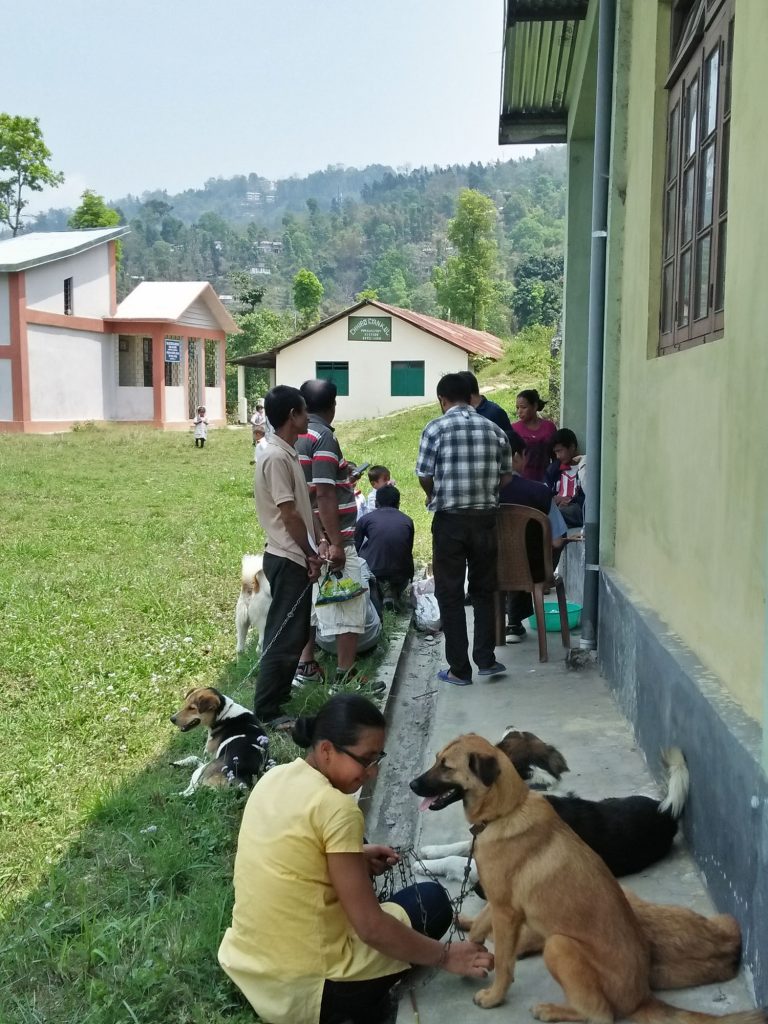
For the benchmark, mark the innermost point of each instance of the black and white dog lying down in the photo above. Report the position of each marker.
(629, 833)
(238, 744)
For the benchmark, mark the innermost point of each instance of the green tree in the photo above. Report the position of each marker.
(464, 285)
(24, 166)
(538, 290)
(260, 330)
(93, 212)
(245, 291)
(307, 295)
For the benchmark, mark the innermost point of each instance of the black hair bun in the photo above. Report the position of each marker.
(303, 731)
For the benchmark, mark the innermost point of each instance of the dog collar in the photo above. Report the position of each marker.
(230, 710)
(478, 828)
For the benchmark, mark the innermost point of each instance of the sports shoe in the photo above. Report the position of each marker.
(496, 669)
(307, 672)
(516, 633)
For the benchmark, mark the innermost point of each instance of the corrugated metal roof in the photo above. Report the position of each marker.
(168, 301)
(39, 247)
(539, 45)
(475, 342)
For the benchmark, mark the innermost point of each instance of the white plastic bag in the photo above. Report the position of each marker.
(426, 617)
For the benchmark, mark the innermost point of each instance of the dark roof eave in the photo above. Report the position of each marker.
(264, 360)
(533, 127)
(545, 10)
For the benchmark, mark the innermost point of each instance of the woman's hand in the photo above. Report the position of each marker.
(469, 959)
(379, 858)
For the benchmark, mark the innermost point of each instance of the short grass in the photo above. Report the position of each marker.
(119, 573)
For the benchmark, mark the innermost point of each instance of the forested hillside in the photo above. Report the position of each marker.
(356, 230)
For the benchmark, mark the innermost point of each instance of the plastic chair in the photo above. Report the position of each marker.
(516, 546)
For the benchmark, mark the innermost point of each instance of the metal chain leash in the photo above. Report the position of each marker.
(284, 623)
(387, 884)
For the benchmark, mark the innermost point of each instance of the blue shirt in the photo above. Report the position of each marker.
(384, 538)
(465, 454)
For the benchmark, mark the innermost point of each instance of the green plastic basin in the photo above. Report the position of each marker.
(552, 616)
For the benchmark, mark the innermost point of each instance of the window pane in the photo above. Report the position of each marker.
(720, 280)
(673, 142)
(701, 291)
(669, 221)
(691, 117)
(723, 202)
(684, 290)
(711, 76)
(667, 298)
(686, 221)
(707, 185)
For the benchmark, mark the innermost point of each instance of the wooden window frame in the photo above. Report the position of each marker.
(692, 308)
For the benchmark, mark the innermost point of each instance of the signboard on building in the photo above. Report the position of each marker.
(369, 328)
(172, 351)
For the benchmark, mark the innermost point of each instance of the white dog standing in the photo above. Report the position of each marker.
(253, 602)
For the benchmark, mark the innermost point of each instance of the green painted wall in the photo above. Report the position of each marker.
(691, 429)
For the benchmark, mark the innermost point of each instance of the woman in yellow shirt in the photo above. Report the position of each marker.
(309, 942)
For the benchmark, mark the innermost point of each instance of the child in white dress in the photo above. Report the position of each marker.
(201, 427)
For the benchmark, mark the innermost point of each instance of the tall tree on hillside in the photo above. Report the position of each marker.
(245, 291)
(307, 295)
(24, 166)
(465, 285)
(93, 212)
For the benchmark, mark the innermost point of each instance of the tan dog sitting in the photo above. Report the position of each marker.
(535, 871)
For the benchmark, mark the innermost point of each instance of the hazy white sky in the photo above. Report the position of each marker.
(138, 94)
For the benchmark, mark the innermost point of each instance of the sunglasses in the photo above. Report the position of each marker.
(364, 762)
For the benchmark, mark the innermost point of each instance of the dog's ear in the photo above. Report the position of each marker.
(210, 700)
(485, 767)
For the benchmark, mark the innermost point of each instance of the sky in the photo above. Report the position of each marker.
(146, 94)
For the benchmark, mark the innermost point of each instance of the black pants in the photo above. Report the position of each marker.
(199, 442)
(465, 541)
(288, 582)
(367, 1002)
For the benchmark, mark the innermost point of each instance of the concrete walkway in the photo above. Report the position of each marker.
(574, 711)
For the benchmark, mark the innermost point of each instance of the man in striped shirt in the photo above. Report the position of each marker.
(332, 493)
(463, 458)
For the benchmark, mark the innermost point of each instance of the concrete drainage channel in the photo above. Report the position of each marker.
(389, 806)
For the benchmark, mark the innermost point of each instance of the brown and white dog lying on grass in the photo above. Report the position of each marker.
(236, 742)
(253, 602)
(538, 874)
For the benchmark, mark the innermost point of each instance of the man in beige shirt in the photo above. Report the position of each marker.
(291, 559)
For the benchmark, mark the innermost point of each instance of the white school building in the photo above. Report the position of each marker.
(382, 358)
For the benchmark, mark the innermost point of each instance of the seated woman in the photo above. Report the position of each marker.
(309, 943)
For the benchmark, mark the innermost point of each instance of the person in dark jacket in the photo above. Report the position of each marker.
(384, 538)
(562, 477)
(491, 410)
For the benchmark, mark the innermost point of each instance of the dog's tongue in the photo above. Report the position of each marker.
(427, 802)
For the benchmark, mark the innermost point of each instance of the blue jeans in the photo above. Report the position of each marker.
(367, 1002)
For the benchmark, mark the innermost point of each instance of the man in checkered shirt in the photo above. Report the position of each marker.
(463, 459)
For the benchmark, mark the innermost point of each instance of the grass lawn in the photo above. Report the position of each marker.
(118, 579)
